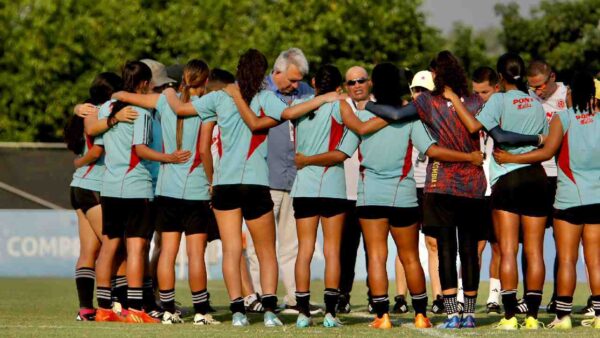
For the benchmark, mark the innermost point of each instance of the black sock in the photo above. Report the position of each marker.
(533, 298)
(303, 302)
(85, 279)
(381, 305)
(596, 304)
(451, 305)
(200, 301)
(331, 298)
(564, 306)
(119, 290)
(148, 294)
(237, 305)
(509, 300)
(135, 298)
(269, 302)
(167, 299)
(419, 303)
(470, 302)
(103, 297)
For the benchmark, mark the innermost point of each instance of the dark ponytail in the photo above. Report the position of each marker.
(251, 73)
(512, 69)
(327, 79)
(583, 92)
(389, 84)
(134, 73)
(449, 72)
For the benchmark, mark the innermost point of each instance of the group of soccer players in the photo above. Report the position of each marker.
(504, 160)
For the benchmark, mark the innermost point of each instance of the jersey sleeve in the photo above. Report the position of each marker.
(272, 105)
(420, 137)
(105, 109)
(490, 114)
(142, 127)
(206, 106)
(349, 142)
(424, 107)
(564, 118)
(98, 140)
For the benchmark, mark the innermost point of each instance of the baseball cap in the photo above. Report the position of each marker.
(597, 85)
(159, 72)
(423, 79)
(175, 71)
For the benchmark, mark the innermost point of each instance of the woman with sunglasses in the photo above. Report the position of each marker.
(574, 138)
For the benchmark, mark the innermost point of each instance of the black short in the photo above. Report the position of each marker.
(127, 217)
(486, 228)
(397, 217)
(523, 191)
(585, 214)
(551, 194)
(84, 199)
(317, 206)
(254, 200)
(443, 211)
(179, 215)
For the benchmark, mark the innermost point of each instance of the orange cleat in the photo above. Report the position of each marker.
(382, 323)
(137, 316)
(422, 322)
(107, 315)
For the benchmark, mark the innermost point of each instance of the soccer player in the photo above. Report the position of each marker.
(574, 138)
(85, 192)
(519, 192)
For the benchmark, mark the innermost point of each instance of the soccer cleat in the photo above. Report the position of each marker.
(450, 323)
(331, 321)
(521, 306)
(293, 309)
(158, 313)
(137, 316)
(382, 323)
(85, 315)
(593, 323)
(467, 322)
(303, 321)
(239, 319)
(118, 309)
(460, 307)
(207, 319)
(270, 319)
(437, 307)
(422, 322)
(531, 323)
(561, 324)
(170, 318)
(493, 307)
(107, 315)
(344, 304)
(253, 304)
(508, 324)
(551, 307)
(400, 306)
(588, 310)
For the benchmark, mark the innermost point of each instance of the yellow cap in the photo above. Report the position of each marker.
(597, 84)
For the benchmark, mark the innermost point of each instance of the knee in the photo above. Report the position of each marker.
(431, 244)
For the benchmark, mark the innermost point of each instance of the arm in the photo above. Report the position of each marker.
(446, 155)
(91, 156)
(254, 123)
(205, 153)
(551, 145)
(509, 138)
(146, 153)
(180, 108)
(464, 115)
(297, 111)
(142, 100)
(396, 114)
(322, 160)
(84, 109)
(356, 125)
(94, 126)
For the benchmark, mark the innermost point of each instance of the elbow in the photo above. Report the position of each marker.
(473, 128)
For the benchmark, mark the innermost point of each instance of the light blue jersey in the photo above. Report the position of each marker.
(316, 133)
(90, 176)
(386, 168)
(578, 160)
(242, 155)
(126, 175)
(156, 144)
(181, 180)
(517, 112)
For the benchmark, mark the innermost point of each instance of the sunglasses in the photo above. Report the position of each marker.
(542, 86)
(361, 80)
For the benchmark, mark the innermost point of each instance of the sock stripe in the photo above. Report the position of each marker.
(380, 299)
(508, 292)
(419, 296)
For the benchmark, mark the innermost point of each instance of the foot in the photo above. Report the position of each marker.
(588, 310)
(422, 322)
(158, 313)
(450, 323)
(400, 306)
(551, 307)
(107, 315)
(303, 321)
(118, 309)
(139, 316)
(461, 307)
(344, 304)
(271, 319)
(382, 323)
(239, 319)
(253, 304)
(169, 318)
(561, 324)
(531, 323)
(207, 319)
(437, 307)
(508, 324)
(331, 321)
(467, 322)
(85, 315)
(593, 323)
(493, 308)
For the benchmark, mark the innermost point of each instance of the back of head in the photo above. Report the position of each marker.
(389, 84)
(103, 86)
(218, 79)
(483, 74)
(511, 68)
(195, 74)
(449, 72)
(327, 79)
(251, 73)
(583, 92)
(135, 74)
(293, 56)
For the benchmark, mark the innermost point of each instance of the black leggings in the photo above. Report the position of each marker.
(467, 249)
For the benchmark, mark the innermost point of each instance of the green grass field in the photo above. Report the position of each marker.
(47, 307)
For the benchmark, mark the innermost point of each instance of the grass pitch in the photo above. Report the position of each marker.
(47, 307)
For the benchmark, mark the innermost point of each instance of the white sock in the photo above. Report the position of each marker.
(460, 297)
(495, 288)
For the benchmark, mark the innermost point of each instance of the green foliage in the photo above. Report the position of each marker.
(51, 50)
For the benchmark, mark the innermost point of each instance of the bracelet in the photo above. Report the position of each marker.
(539, 140)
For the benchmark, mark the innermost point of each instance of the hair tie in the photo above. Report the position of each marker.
(516, 77)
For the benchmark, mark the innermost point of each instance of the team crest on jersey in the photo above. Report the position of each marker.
(561, 104)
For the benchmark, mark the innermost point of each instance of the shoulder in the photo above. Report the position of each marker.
(305, 90)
